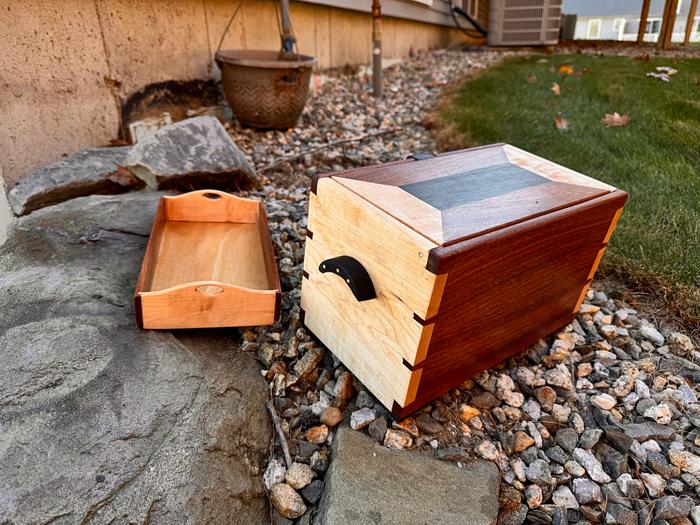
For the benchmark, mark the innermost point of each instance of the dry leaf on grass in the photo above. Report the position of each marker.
(561, 123)
(532, 79)
(555, 88)
(616, 120)
(566, 69)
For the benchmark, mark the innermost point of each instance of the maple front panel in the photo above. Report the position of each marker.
(507, 289)
(373, 338)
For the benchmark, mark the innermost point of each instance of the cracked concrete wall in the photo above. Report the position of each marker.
(66, 65)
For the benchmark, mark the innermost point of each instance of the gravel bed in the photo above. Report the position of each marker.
(599, 423)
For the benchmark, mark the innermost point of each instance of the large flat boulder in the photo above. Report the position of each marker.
(192, 154)
(88, 172)
(102, 422)
(369, 484)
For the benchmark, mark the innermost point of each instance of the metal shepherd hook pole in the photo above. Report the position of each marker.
(377, 47)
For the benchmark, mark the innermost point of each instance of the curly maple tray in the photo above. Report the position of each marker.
(209, 263)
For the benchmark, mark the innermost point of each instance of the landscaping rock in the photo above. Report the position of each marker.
(378, 428)
(618, 514)
(362, 418)
(533, 496)
(586, 491)
(652, 334)
(192, 154)
(655, 484)
(427, 425)
(313, 491)
(331, 416)
(671, 507)
(397, 439)
(102, 421)
(287, 501)
(354, 493)
(643, 431)
(592, 465)
(686, 461)
(299, 475)
(563, 497)
(88, 172)
(274, 473)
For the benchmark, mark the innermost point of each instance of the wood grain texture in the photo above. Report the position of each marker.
(208, 263)
(457, 196)
(550, 170)
(210, 206)
(480, 217)
(393, 254)
(509, 288)
(373, 338)
(366, 336)
(401, 205)
(207, 304)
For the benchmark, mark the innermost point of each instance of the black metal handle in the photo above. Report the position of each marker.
(353, 273)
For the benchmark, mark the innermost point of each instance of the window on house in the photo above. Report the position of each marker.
(619, 26)
(594, 28)
(652, 26)
(472, 7)
(678, 9)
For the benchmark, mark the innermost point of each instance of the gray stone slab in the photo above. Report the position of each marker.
(192, 154)
(88, 172)
(102, 422)
(370, 484)
(6, 216)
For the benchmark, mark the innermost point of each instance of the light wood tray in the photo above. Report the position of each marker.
(209, 263)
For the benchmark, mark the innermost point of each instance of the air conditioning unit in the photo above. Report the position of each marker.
(524, 22)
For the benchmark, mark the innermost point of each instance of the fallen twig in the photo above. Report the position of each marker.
(292, 158)
(280, 433)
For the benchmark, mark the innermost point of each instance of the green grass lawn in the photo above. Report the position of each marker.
(656, 159)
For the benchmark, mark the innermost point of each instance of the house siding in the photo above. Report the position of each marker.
(67, 65)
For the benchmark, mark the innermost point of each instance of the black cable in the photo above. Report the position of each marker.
(477, 30)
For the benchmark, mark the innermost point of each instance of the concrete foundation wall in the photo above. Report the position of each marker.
(66, 66)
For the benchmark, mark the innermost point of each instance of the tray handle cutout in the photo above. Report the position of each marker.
(353, 273)
(211, 206)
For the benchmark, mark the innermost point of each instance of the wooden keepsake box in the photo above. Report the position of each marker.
(421, 273)
(209, 263)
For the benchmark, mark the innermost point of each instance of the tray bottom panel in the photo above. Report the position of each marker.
(210, 251)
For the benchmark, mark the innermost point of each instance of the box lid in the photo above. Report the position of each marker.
(462, 194)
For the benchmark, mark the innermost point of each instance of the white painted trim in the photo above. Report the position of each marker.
(437, 12)
(588, 29)
(620, 22)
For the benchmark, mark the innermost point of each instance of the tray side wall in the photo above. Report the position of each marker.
(147, 266)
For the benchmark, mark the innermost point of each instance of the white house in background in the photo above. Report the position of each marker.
(619, 20)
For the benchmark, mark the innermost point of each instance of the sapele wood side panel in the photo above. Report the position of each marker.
(507, 289)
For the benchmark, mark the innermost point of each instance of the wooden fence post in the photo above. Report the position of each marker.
(643, 21)
(669, 20)
(690, 21)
